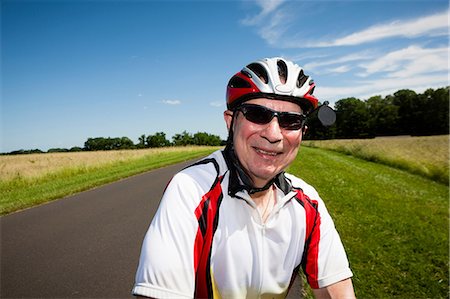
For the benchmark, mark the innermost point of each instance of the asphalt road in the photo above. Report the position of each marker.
(82, 246)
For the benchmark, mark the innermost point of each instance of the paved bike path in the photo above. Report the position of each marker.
(83, 246)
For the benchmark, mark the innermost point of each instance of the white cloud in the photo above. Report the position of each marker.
(408, 62)
(383, 87)
(267, 6)
(344, 59)
(432, 25)
(338, 70)
(337, 65)
(171, 102)
(217, 104)
(274, 21)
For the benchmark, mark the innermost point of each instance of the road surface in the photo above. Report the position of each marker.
(82, 246)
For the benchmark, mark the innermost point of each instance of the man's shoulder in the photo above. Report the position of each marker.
(206, 169)
(299, 183)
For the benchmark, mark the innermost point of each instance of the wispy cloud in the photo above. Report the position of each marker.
(330, 65)
(171, 102)
(274, 20)
(432, 25)
(217, 104)
(411, 61)
(374, 67)
(267, 6)
(383, 87)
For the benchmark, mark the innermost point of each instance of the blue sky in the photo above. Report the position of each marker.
(78, 69)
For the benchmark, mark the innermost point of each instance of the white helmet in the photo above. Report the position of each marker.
(273, 78)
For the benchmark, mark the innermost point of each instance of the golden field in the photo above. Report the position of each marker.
(37, 165)
(427, 155)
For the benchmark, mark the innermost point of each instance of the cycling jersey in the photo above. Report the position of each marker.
(208, 240)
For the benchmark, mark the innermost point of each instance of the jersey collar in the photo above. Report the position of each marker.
(240, 181)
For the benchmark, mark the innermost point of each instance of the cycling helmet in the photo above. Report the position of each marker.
(273, 78)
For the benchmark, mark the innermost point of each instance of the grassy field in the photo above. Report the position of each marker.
(394, 224)
(28, 180)
(426, 156)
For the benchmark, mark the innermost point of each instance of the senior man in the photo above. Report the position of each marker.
(235, 225)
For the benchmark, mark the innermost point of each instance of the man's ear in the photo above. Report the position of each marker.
(228, 117)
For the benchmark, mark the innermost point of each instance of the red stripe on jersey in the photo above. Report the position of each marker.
(207, 216)
(311, 251)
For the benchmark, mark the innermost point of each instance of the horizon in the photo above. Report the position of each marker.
(73, 70)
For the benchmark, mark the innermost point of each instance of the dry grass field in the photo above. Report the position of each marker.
(427, 156)
(37, 165)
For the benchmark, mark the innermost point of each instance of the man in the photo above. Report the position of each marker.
(235, 225)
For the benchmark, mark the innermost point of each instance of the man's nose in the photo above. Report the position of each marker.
(272, 131)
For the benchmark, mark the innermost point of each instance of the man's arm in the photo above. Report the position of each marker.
(340, 290)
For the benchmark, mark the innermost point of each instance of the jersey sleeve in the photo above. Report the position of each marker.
(166, 268)
(326, 254)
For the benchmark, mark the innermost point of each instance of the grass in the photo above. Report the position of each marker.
(24, 185)
(425, 156)
(394, 224)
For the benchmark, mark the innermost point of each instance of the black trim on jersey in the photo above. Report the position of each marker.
(202, 221)
(206, 161)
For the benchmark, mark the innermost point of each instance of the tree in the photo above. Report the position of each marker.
(142, 141)
(157, 140)
(382, 116)
(105, 144)
(182, 139)
(351, 119)
(408, 110)
(434, 112)
(202, 138)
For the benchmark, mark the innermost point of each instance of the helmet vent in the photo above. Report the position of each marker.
(282, 71)
(237, 82)
(260, 71)
(301, 79)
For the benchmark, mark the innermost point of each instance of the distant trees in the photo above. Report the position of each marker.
(403, 113)
(157, 140)
(151, 141)
(105, 144)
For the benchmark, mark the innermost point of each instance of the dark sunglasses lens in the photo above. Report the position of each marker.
(261, 115)
(291, 121)
(257, 115)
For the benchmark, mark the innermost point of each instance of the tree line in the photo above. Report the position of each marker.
(151, 141)
(158, 139)
(403, 113)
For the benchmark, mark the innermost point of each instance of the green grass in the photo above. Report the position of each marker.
(20, 193)
(394, 224)
(427, 156)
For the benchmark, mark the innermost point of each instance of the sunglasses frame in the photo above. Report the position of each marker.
(244, 108)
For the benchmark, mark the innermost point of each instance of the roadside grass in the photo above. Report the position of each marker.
(427, 156)
(394, 224)
(28, 188)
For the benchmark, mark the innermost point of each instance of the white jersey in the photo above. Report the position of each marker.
(208, 239)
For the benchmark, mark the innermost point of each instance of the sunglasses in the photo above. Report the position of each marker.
(262, 115)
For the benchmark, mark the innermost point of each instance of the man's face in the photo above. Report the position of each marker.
(264, 150)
